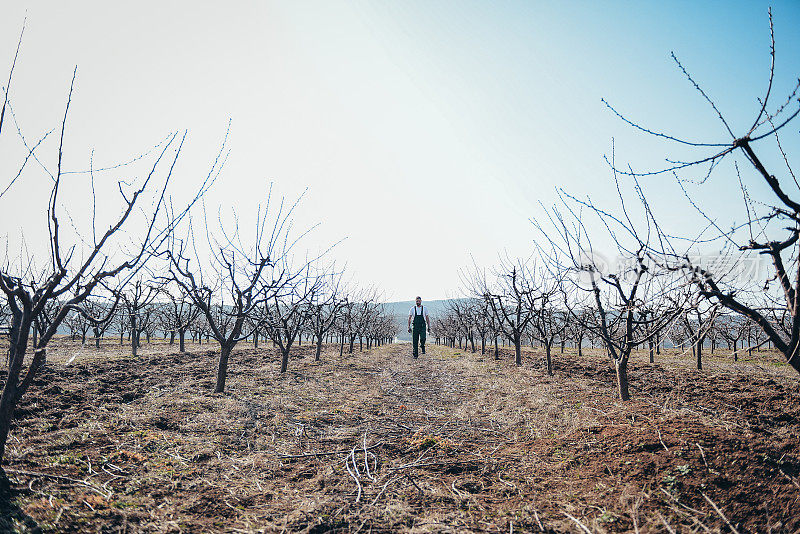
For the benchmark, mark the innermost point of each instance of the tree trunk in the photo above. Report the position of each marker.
(496, 349)
(652, 352)
(284, 360)
(547, 347)
(518, 350)
(134, 333)
(13, 389)
(181, 340)
(172, 337)
(622, 379)
(222, 369)
(319, 349)
(483, 344)
(700, 353)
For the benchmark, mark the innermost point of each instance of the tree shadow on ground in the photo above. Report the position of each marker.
(12, 518)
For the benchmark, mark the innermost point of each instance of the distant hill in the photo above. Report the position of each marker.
(435, 308)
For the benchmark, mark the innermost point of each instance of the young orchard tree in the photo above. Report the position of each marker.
(757, 168)
(481, 320)
(120, 322)
(78, 326)
(199, 329)
(384, 329)
(698, 320)
(179, 312)
(616, 294)
(463, 313)
(285, 314)
(575, 329)
(239, 279)
(344, 322)
(493, 324)
(325, 307)
(138, 302)
(365, 311)
(446, 328)
(79, 262)
(356, 315)
(100, 313)
(508, 295)
(549, 321)
(649, 311)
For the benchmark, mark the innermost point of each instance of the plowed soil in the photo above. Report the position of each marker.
(377, 441)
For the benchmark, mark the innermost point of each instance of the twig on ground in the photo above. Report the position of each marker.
(703, 454)
(661, 440)
(577, 522)
(538, 521)
(328, 453)
(383, 489)
(669, 528)
(455, 491)
(358, 482)
(791, 479)
(105, 494)
(414, 482)
(716, 509)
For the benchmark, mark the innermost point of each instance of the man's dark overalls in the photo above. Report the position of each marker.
(418, 330)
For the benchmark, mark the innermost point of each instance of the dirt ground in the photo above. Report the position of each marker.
(377, 441)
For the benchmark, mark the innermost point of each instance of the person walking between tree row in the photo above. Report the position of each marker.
(419, 316)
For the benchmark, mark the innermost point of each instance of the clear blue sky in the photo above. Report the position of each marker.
(427, 132)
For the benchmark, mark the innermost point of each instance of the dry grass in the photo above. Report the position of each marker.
(379, 441)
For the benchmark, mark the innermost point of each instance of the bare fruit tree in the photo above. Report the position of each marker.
(286, 313)
(238, 279)
(325, 307)
(138, 304)
(770, 200)
(179, 312)
(617, 292)
(463, 313)
(549, 317)
(698, 320)
(77, 265)
(508, 294)
(100, 311)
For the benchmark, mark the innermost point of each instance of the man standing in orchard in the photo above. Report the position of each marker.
(420, 319)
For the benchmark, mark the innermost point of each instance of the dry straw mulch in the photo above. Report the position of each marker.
(378, 441)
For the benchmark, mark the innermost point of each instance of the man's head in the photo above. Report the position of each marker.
(419, 301)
